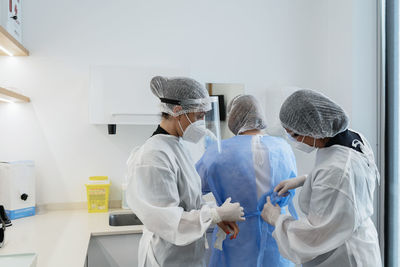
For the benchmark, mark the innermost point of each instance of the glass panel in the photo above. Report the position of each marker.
(392, 233)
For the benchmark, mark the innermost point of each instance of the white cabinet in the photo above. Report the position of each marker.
(11, 17)
(122, 95)
(120, 250)
(113, 251)
(19, 260)
(11, 28)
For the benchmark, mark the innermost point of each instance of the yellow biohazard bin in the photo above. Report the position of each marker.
(98, 190)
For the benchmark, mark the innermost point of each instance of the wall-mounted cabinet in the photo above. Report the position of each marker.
(122, 95)
(11, 29)
(9, 46)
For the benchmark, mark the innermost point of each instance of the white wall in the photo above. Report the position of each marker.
(264, 44)
(344, 66)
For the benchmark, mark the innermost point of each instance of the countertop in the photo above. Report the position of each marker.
(60, 238)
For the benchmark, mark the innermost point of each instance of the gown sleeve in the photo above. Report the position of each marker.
(153, 196)
(330, 222)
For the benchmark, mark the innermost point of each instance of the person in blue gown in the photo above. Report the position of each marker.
(248, 168)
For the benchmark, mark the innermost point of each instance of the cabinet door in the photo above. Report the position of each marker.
(122, 95)
(121, 250)
(113, 251)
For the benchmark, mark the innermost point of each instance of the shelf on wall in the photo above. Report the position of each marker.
(10, 96)
(9, 46)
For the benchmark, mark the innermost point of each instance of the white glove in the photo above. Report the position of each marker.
(230, 212)
(292, 183)
(270, 213)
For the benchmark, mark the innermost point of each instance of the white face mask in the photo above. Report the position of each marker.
(300, 145)
(304, 147)
(195, 131)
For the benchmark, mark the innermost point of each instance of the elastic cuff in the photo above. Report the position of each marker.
(214, 216)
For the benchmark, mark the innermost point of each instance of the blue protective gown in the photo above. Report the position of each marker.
(231, 173)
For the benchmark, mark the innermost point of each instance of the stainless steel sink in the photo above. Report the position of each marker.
(123, 218)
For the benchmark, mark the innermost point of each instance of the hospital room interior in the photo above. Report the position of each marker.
(157, 133)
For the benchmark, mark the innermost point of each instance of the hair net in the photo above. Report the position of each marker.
(309, 113)
(245, 113)
(180, 91)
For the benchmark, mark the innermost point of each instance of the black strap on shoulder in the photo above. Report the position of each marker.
(160, 130)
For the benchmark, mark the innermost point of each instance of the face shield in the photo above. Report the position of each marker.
(212, 121)
(207, 110)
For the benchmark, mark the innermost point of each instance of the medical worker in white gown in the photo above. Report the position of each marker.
(336, 196)
(164, 189)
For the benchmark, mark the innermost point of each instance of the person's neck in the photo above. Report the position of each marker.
(321, 143)
(251, 132)
(169, 126)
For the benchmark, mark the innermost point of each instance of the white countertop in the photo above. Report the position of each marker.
(59, 238)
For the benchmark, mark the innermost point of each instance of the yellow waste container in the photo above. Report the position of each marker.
(98, 190)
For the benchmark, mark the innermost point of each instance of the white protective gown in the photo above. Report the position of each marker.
(337, 198)
(164, 191)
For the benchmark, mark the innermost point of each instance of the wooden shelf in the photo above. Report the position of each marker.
(9, 43)
(10, 96)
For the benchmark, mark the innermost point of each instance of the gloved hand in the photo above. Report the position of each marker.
(230, 212)
(270, 213)
(283, 187)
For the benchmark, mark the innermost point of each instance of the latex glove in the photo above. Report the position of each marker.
(230, 212)
(270, 213)
(283, 187)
